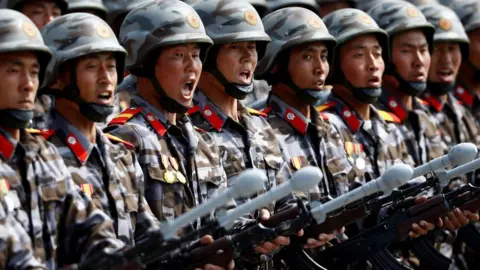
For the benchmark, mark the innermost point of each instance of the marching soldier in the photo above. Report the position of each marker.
(83, 80)
(372, 141)
(94, 7)
(62, 223)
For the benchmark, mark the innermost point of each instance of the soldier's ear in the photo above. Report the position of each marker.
(60, 81)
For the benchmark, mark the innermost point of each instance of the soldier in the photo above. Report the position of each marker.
(62, 223)
(329, 6)
(40, 12)
(94, 7)
(83, 81)
(372, 142)
(118, 10)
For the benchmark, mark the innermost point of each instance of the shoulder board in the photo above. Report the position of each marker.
(124, 116)
(255, 112)
(324, 116)
(422, 101)
(267, 110)
(193, 110)
(115, 139)
(46, 134)
(325, 106)
(389, 117)
(200, 130)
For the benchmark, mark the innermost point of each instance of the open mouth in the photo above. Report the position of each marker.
(187, 88)
(245, 75)
(105, 96)
(374, 82)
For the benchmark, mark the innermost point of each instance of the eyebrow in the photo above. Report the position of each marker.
(312, 49)
(20, 63)
(98, 57)
(412, 45)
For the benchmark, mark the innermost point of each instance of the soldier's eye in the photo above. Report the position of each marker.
(307, 57)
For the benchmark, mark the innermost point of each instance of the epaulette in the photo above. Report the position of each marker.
(255, 112)
(193, 110)
(267, 110)
(325, 106)
(46, 133)
(115, 139)
(124, 116)
(388, 116)
(324, 116)
(423, 102)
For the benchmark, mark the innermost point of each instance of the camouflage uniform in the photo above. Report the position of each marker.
(304, 141)
(16, 250)
(62, 223)
(371, 145)
(419, 133)
(178, 165)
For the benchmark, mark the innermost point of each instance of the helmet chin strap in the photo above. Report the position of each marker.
(368, 95)
(16, 118)
(413, 89)
(169, 104)
(238, 91)
(440, 89)
(308, 96)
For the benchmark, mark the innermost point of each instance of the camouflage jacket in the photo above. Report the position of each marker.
(109, 174)
(455, 123)
(173, 158)
(16, 251)
(313, 142)
(43, 107)
(469, 100)
(417, 129)
(260, 91)
(62, 222)
(372, 146)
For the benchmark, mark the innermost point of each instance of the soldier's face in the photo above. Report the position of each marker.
(308, 65)
(362, 63)
(237, 61)
(446, 61)
(19, 75)
(474, 37)
(178, 70)
(41, 12)
(97, 78)
(410, 55)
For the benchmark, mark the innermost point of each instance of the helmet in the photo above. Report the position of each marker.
(366, 5)
(119, 8)
(260, 5)
(75, 35)
(142, 39)
(18, 33)
(278, 4)
(290, 27)
(448, 26)
(423, 2)
(228, 21)
(156, 24)
(17, 4)
(82, 5)
(345, 25)
(468, 11)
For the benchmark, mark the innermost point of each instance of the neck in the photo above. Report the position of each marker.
(393, 87)
(146, 91)
(467, 77)
(287, 95)
(14, 132)
(216, 93)
(71, 112)
(363, 109)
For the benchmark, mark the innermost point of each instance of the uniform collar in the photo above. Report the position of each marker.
(7, 145)
(152, 115)
(78, 143)
(394, 105)
(465, 96)
(434, 102)
(210, 112)
(294, 117)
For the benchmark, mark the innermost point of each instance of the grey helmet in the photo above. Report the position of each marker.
(290, 27)
(156, 24)
(279, 4)
(18, 4)
(118, 10)
(468, 11)
(260, 5)
(449, 28)
(84, 5)
(228, 21)
(18, 34)
(419, 3)
(397, 17)
(70, 37)
(346, 25)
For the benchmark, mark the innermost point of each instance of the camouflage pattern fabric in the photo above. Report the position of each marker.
(372, 146)
(43, 107)
(260, 91)
(179, 167)
(17, 4)
(274, 5)
(109, 174)
(467, 10)
(84, 5)
(120, 8)
(311, 142)
(16, 251)
(62, 222)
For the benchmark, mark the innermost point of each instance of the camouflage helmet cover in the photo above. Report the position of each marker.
(79, 34)
(117, 8)
(347, 24)
(18, 33)
(423, 2)
(366, 5)
(399, 16)
(156, 24)
(448, 26)
(468, 11)
(289, 27)
(229, 21)
(17, 4)
(82, 5)
(278, 4)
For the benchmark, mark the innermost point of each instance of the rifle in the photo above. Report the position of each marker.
(286, 223)
(164, 239)
(395, 227)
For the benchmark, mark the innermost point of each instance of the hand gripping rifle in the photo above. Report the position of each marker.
(164, 240)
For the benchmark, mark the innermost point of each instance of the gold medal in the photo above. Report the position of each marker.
(181, 178)
(169, 177)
